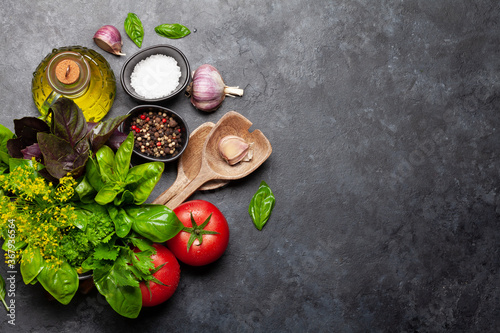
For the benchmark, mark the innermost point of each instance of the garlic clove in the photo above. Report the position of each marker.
(234, 149)
(109, 39)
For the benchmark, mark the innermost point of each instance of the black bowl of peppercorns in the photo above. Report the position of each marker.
(160, 134)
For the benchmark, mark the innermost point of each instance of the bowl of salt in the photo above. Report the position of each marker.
(155, 74)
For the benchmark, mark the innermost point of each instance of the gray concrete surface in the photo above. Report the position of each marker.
(383, 116)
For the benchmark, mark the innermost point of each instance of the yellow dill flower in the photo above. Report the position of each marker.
(40, 210)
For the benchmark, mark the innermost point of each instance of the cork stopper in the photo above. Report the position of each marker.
(67, 71)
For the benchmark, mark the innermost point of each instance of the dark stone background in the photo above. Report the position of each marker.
(383, 116)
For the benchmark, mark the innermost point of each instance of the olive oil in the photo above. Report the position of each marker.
(78, 73)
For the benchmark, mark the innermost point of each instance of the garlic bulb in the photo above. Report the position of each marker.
(207, 89)
(234, 149)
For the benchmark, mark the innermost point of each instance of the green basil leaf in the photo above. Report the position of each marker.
(134, 29)
(106, 161)
(261, 205)
(85, 190)
(5, 135)
(155, 222)
(85, 211)
(108, 193)
(17, 162)
(61, 282)
(93, 174)
(142, 179)
(12, 245)
(123, 222)
(3, 292)
(31, 265)
(3, 167)
(114, 283)
(125, 198)
(173, 31)
(123, 156)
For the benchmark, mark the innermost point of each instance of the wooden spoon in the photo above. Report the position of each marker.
(213, 166)
(189, 165)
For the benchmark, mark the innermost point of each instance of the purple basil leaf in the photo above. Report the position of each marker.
(26, 131)
(32, 151)
(103, 131)
(90, 127)
(60, 157)
(116, 140)
(80, 161)
(14, 147)
(68, 121)
(28, 127)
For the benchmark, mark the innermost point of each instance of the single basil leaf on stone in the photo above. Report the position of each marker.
(261, 205)
(134, 29)
(172, 31)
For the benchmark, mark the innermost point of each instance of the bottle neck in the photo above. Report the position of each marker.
(68, 73)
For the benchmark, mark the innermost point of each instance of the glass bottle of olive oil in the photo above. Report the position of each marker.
(78, 73)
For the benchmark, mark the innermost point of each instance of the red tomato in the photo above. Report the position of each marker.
(169, 275)
(209, 241)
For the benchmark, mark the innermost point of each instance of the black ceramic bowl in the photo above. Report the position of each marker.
(168, 50)
(126, 127)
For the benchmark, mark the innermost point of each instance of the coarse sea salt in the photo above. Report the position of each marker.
(156, 76)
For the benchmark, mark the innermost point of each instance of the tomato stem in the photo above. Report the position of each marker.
(197, 231)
